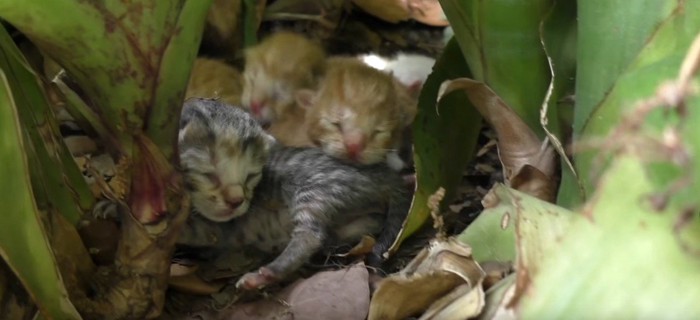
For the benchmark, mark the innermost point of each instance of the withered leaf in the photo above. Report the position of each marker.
(518, 145)
(441, 267)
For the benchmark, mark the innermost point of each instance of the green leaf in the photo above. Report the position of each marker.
(500, 40)
(251, 23)
(623, 260)
(492, 234)
(23, 243)
(559, 35)
(659, 60)
(611, 35)
(132, 59)
(515, 221)
(444, 142)
(56, 177)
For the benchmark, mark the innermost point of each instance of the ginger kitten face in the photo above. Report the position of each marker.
(357, 113)
(222, 152)
(275, 69)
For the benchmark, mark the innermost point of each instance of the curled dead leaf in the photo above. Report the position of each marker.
(388, 10)
(361, 248)
(437, 270)
(464, 302)
(498, 299)
(190, 283)
(518, 145)
(532, 181)
(428, 12)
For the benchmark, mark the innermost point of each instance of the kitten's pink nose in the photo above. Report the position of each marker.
(256, 107)
(354, 148)
(233, 203)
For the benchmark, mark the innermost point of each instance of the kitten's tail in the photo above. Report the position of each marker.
(399, 204)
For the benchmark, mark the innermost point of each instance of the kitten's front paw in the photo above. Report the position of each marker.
(257, 280)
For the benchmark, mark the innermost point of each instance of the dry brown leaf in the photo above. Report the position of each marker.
(434, 204)
(518, 145)
(464, 302)
(363, 247)
(179, 269)
(340, 294)
(498, 299)
(435, 271)
(388, 10)
(428, 12)
(532, 181)
(189, 282)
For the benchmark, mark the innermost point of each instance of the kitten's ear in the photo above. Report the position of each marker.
(305, 98)
(193, 130)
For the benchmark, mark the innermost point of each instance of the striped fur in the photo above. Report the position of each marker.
(305, 201)
(222, 152)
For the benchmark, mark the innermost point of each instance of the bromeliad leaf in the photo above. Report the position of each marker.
(443, 143)
(26, 249)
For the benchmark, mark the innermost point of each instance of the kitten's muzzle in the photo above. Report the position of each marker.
(234, 203)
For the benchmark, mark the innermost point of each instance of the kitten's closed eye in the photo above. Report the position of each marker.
(213, 177)
(379, 131)
(252, 177)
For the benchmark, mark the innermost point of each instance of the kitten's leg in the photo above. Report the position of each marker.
(307, 239)
(399, 204)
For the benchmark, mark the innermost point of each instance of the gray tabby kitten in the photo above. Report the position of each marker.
(304, 199)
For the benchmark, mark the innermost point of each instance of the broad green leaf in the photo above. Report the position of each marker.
(500, 40)
(56, 177)
(515, 225)
(657, 62)
(492, 234)
(445, 136)
(23, 244)
(132, 59)
(611, 35)
(622, 260)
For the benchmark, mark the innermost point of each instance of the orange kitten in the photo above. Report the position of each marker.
(358, 113)
(212, 78)
(275, 69)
